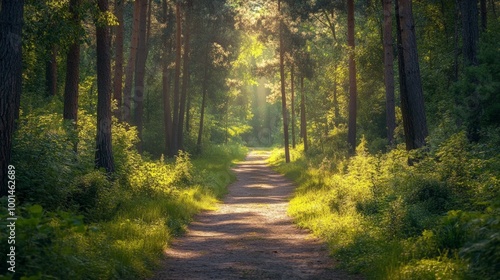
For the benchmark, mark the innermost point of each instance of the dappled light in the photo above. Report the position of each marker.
(260, 139)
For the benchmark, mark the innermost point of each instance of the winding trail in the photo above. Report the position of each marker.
(250, 236)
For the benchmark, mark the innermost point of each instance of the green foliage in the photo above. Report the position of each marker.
(435, 219)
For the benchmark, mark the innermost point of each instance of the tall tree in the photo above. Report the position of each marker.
(140, 71)
(118, 77)
(412, 97)
(470, 38)
(178, 51)
(70, 111)
(104, 153)
(389, 71)
(51, 70)
(185, 74)
(282, 77)
(11, 21)
(166, 79)
(303, 120)
(129, 71)
(292, 103)
(351, 134)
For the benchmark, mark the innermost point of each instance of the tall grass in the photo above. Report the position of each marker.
(81, 225)
(436, 219)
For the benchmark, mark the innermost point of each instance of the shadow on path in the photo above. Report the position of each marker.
(249, 236)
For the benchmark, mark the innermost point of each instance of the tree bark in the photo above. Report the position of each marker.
(51, 71)
(303, 120)
(283, 94)
(140, 69)
(389, 72)
(203, 103)
(104, 153)
(292, 104)
(126, 111)
(166, 79)
(470, 37)
(351, 133)
(11, 21)
(70, 111)
(412, 98)
(484, 15)
(178, 44)
(118, 78)
(185, 76)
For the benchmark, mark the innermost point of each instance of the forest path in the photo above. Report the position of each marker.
(250, 236)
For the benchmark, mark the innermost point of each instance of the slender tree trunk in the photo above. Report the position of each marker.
(412, 99)
(293, 105)
(72, 69)
(118, 78)
(283, 94)
(389, 72)
(484, 15)
(185, 76)
(167, 119)
(104, 153)
(129, 71)
(203, 104)
(140, 69)
(51, 71)
(178, 44)
(470, 37)
(336, 111)
(11, 21)
(351, 134)
(303, 120)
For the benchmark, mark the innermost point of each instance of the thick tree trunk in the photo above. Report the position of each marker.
(70, 111)
(283, 94)
(118, 78)
(203, 104)
(140, 69)
(412, 98)
(178, 44)
(126, 111)
(51, 71)
(351, 132)
(389, 72)
(292, 104)
(185, 76)
(303, 120)
(104, 153)
(11, 21)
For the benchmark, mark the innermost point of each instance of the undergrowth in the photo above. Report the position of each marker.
(76, 223)
(386, 219)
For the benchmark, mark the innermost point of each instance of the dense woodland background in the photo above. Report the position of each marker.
(122, 118)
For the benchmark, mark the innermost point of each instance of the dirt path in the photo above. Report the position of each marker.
(249, 236)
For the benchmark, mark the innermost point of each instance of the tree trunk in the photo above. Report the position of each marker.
(283, 95)
(303, 121)
(484, 15)
(11, 21)
(166, 79)
(185, 76)
(203, 104)
(336, 110)
(351, 133)
(51, 71)
(118, 78)
(292, 104)
(140, 68)
(70, 111)
(104, 153)
(178, 44)
(470, 37)
(389, 72)
(126, 111)
(412, 99)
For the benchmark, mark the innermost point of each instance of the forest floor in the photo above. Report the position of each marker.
(250, 236)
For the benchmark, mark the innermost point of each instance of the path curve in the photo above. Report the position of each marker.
(250, 236)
